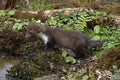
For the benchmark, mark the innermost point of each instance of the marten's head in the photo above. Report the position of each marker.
(33, 29)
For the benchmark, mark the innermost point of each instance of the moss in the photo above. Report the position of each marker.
(109, 58)
(36, 62)
(11, 42)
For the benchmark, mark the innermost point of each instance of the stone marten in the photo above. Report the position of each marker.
(76, 41)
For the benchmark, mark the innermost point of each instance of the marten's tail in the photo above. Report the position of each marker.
(98, 44)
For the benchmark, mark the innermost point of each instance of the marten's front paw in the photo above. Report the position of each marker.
(45, 48)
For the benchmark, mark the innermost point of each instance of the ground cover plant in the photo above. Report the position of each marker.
(104, 30)
(33, 59)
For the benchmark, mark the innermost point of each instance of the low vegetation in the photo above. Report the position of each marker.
(35, 62)
(109, 6)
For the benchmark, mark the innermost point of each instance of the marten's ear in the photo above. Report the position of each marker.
(37, 27)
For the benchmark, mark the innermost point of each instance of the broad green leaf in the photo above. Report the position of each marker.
(18, 26)
(97, 29)
(11, 12)
(71, 77)
(96, 37)
(2, 13)
(85, 77)
(70, 59)
(64, 54)
(115, 67)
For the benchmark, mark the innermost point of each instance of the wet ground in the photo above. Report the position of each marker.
(6, 64)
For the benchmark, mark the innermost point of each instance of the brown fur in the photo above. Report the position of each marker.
(78, 42)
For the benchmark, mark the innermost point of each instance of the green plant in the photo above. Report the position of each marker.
(115, 76)
(97, 13)
(68, 58)
(115, 68)
(19, 26)
(108, 32)
(5, 14)
(73, 76)
(2, 13)
(35, 65)
(85, 77)
(81, 74)
(76, 21)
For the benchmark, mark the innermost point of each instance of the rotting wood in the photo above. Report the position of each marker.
(43, 15)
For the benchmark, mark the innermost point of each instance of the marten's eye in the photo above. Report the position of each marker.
(31, 32)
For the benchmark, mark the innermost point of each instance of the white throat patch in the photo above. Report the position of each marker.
(43, 37)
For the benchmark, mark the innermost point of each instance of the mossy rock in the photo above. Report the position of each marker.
(11, 42)
(109, 58)
(35, 62)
